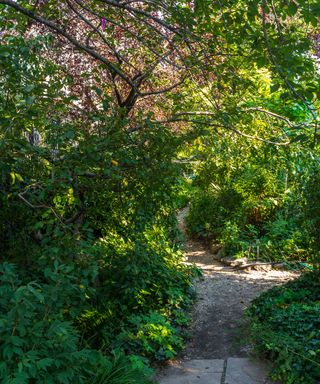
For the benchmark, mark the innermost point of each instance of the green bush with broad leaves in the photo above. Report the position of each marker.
(151, 335)
(39, 342)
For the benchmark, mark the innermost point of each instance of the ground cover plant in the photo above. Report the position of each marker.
(285, 326)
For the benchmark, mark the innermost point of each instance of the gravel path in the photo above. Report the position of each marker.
(218, 350)
(218, 328)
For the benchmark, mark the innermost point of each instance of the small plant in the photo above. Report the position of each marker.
(39, 345)
(121, 369)
(151, 335)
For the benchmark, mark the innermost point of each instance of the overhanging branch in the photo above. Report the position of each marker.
(53, 26)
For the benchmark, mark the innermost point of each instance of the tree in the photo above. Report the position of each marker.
(117, 35)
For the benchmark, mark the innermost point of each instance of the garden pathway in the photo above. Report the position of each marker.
(217, 352)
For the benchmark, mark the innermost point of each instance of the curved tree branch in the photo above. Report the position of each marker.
(53, 26)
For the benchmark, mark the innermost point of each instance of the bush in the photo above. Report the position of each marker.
(151, 335)
(145, 290)
(38, 345)
(255, 227)
(209, 211)
(121, 369)
(285, 326)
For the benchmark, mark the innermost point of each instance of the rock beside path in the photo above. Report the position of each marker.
(218, 253)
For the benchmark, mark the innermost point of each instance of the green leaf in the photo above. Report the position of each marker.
(261, 62)
(29, 100)
(292, 8)
(4, 51)
(274, 87)
(36, 293)
(45, 363)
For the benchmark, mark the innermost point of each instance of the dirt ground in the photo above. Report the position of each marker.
(218, 329)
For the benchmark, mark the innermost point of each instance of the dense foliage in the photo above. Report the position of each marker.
(105, 106)
(258, 201)
(286, 327)
(91, 262)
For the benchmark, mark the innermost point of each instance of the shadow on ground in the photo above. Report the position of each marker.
(219, 328)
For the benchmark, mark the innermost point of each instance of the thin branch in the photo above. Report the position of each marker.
(269, 113)
(146, 14)
(72, 40)
(38, 206)
(251, 109)
(208, 123)
(132, 33)
(88, 22)
(141, 77)
(154, 3)
(160, 91)
(196, 113)
(162, 35)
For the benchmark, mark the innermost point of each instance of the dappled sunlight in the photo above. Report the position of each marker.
(223, 295)
(141, 140)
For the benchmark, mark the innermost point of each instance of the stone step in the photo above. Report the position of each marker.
(193, 372)
(247, 371)
(215, 371)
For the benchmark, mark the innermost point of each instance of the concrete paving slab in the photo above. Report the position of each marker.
(193, 372)
(246, 371)
(204, 365)
(208, 378)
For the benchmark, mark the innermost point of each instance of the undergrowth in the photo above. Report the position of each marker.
(252, 215)
(285, 327)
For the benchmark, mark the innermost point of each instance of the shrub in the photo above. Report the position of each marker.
(209, 211)
(38, 343)
(141, 281)
(151, 335)
(285, 326)
(121, 369)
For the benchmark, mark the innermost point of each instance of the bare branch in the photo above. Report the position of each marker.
(38, 206)
(146, 14)
(269, 113)
(85, 20)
